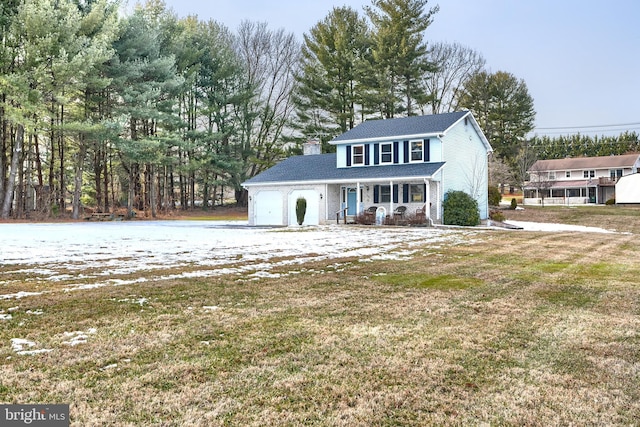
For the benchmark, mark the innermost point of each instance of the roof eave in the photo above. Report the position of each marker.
(388, 138)
(343, 180)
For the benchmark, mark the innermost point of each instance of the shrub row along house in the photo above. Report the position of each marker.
(581, 180)
(394, 168)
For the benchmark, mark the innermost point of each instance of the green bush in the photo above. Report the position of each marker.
(460, 209)
(611, 201)
(495, 197)
(514, 204)
(301, 209)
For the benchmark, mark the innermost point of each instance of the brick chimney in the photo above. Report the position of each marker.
(311, 147)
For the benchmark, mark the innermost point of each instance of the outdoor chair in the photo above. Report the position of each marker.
(399, 212)
(370, 214)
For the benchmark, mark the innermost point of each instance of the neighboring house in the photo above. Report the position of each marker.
(380, 164)
(628, 189)
(580, 180)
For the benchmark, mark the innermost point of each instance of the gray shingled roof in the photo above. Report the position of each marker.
(322, 168)
(577, 163)
(401, 127)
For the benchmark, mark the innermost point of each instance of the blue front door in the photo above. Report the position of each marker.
(352, 200)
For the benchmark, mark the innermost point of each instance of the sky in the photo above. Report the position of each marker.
(579, 59)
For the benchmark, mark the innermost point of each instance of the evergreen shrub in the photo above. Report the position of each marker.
(301, 209)
(460, 209)
(494, 196)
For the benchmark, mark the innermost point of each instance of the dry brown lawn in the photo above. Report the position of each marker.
(513, 328)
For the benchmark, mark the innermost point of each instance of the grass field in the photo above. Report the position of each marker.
(511, 328)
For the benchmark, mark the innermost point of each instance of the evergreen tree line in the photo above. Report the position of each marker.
(145, 111)
(561, 147)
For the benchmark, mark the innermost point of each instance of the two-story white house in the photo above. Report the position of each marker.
(403, 165)
(579, 180)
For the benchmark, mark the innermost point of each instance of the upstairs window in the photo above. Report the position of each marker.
(552, 174)
(567, 174)
(615, 173)
(416, 151)
(357, 155)
(386, 153)
(589, 174)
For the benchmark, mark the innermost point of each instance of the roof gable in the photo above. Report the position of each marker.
(414, 126)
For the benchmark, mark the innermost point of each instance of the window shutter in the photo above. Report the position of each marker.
(367, 156)
(376, 194)
(348, 155)
(396, 145)
(395, 193)
(424, 192)
(405, 193)
(425, 147)
(406, 152)
(376, 154)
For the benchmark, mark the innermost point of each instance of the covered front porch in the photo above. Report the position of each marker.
(568, 193)
(386, 201)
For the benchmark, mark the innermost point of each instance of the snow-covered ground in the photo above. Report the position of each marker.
(97, 254)
(91, 255)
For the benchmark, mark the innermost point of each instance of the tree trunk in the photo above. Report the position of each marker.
(132, 193)
(40, 202)
(77, 180)
(153, 199)
(15, 163)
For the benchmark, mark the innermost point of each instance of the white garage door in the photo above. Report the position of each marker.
(267, 208)
(313, 207)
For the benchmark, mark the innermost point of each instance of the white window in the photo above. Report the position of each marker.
(567, 174)
(416, 151)
(615, 173)
(357, 155)
(552, 174)
(386, 153)
(416, 192)
(589, 174)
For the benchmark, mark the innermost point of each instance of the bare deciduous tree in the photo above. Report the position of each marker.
(270, 59)
(455, 65)
(541, 179)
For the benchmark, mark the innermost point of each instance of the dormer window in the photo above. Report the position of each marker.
(416, 151)
(357, 155)
(386, 153)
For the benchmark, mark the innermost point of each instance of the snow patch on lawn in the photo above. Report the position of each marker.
(77, 337)
(18, 345)
(551, 227)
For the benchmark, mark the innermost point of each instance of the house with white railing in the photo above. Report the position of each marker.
(575, 181)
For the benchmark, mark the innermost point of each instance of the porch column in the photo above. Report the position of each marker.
(391, 200)
(427, 199)
(358, 201)
(439, 201)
